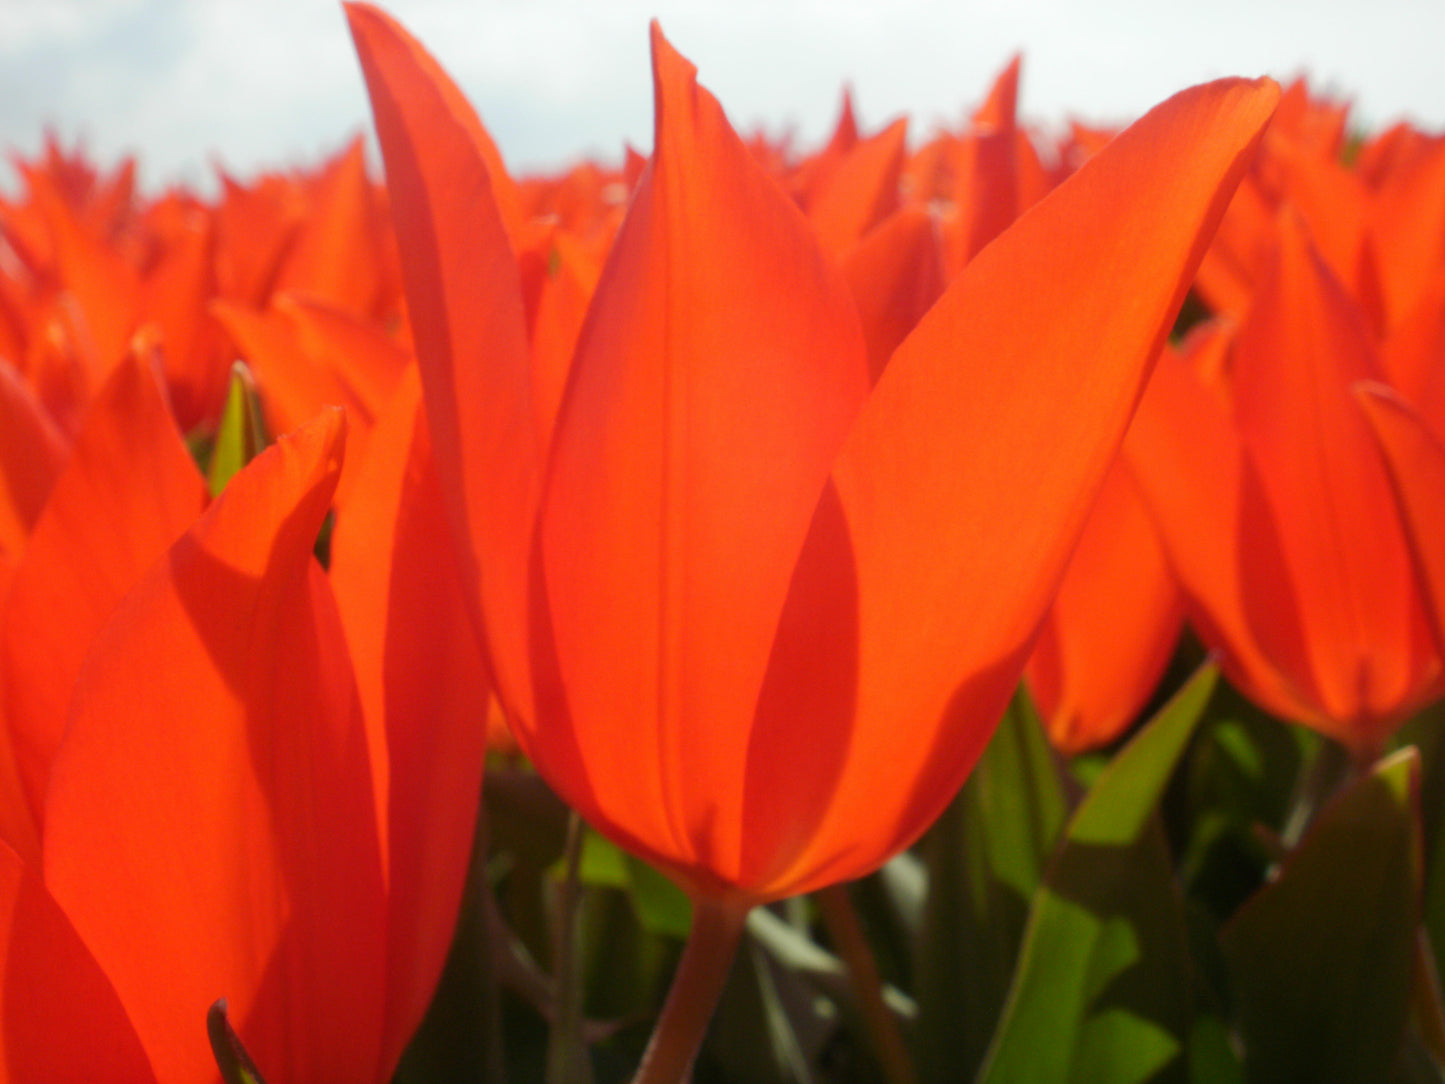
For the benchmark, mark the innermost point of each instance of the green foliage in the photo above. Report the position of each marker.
(241, 435)
(985, 857)
(1321, 957)
(1162, 925)
(1102, 988)
(232, 1060)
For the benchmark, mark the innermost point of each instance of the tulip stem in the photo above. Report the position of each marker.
(701, 975)
(1425, 996)
(840, 918)
(568, 1060)
(1319, 778)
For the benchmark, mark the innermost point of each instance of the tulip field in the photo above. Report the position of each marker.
(943, 605)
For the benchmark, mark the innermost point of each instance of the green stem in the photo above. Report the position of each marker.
(1425, 996)
(1319, 779)
(701, 975)
(481, 914)
(568, 1061)
(840, 918)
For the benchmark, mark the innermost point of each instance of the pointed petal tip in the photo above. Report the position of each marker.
(328, 430)
(320, 441)
(667, 63)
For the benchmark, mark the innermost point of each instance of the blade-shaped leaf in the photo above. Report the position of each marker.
(985, 857)
(1100, 992)
(231, 1058)
(1321, 957)
(241, 435)
(661, 907)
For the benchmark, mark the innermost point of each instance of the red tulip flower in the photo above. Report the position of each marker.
(754, 618)
(1113, 625)
(1276, 510)
(265, 784)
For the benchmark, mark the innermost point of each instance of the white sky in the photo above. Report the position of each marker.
(274, 82)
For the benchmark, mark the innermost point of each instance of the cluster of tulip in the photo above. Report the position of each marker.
(727, 497)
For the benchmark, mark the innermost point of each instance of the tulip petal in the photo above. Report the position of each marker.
(368, 363)
(896, 274)
(969, 473)
(105, 287)
(255, 224)
(423, 686)
(1329, 197)
(335, 256)
(861, 191)
(210, 828)
(1295, 357)
(60, 1018)
(1410, 354)
(1407, 231)
(1415, 459)
(715, 379)
(294, 383)
(985, 189)
(1186, 454)
(18, 829)
(32, 450)
(1112, 627)
(1240, 250)
(174, 298)
(129, 490)
(563, 288)
(448, 194)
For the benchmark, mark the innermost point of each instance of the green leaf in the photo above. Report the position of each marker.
(603, 863)
(1102, 987)
(1242, 771)
(985, 857)
(662, 908)
(1211, 1056)
(231, 1058)
(1426, 731)
(758, 1031)
(241, 435)
(1320, 959)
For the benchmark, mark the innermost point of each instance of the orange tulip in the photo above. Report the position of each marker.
(1276, 509)
(1415, 458)
(1113, 625)
(32, 451)
(752, 620)
(127, 493)
(251, 819)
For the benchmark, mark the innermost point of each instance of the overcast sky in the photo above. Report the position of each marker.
(256, 83)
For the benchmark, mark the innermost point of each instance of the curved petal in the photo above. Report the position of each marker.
(293, 384)
(336, 254)
(105, 288)
(1415, 459)
(896, 274)
(32, 451)
(457, 246)
(1112, 627)
(422, 680)
(129, 490)
(861, 191)
(715, 379)
(368, 362)
(174, 298)
(210, 828)
(1407, 230)
(1295, 357)
(966, 480)
(1186, 454)
(59, 1016)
